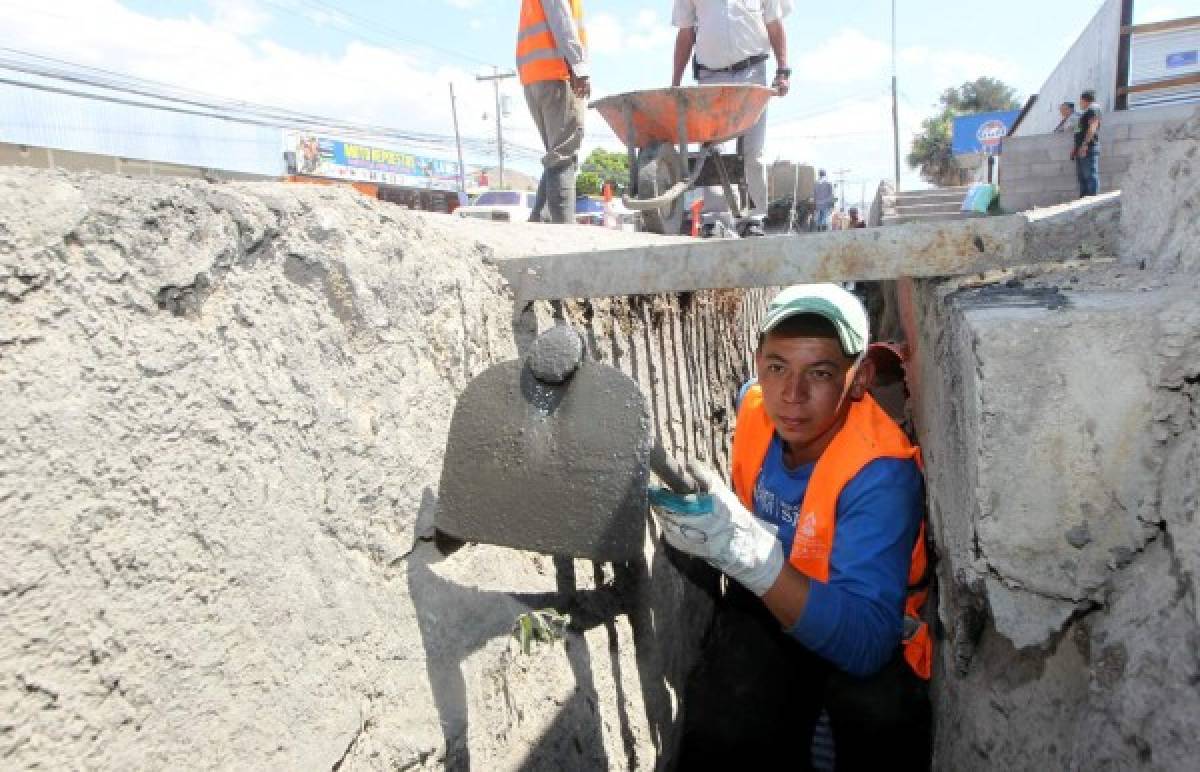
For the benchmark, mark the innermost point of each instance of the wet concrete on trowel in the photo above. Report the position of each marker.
(556, 353)
(560, 469)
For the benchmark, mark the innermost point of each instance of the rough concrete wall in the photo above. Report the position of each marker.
(1060, 419)
(1160, 217)
(1091, 62)
(224, 416)
(1036, 170)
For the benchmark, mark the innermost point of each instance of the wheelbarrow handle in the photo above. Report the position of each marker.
(658, 202)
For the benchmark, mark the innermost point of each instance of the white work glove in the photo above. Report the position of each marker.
(716, 527)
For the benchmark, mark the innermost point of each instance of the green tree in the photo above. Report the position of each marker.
(602, 166)
(930, 151)
(588, 184)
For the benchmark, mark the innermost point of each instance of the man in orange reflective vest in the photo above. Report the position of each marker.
(553, 67)
(824, 531)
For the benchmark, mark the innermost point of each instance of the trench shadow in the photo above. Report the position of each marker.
(455, 621)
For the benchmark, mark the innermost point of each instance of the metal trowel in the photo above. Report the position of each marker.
(552, 454)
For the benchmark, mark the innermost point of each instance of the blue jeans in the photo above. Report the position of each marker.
(1087, 169)
(821, 221)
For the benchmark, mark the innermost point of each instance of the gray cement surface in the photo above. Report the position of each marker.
(225, 409)
(1079, 230)
(556, 353)
(559, 468)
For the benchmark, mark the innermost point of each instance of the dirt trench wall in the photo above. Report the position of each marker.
(1060, 421)
(224, 412)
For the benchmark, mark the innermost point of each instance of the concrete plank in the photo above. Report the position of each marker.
(1085, 228)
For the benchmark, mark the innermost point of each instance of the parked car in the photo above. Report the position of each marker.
(589, 211)
(501, 205)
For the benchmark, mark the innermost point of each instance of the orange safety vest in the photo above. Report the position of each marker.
(538, 57)
(869, 433)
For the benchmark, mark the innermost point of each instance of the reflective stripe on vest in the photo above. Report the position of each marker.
(869, 433)
(538, 57)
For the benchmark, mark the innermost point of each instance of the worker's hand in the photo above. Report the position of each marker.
(781, 84)
(581, 86)
(716, 527)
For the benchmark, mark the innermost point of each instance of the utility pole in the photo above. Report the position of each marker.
(895, 109)
(462, 170)
(495, 78)
(841, 173)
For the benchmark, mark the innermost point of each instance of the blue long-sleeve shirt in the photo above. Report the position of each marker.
(855, 620)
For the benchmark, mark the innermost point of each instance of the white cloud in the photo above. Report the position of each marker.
(240, 17)
(605, 35)
(952, 67)
(646, 32)
(847, 56)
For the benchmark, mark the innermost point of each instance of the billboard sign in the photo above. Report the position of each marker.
(340, 160)
(981, 132)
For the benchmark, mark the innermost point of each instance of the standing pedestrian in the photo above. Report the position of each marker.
(553, 66)
(823, 200)
(1086, 152)
(732, 40)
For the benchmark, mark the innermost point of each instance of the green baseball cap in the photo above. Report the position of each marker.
(831, 301)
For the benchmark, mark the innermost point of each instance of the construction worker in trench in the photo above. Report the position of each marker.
(823, 536)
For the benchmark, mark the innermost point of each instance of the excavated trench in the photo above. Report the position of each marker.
(225, 409)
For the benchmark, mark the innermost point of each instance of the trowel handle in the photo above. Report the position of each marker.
(671, 472)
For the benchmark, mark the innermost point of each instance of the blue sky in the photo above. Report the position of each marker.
(391, 62)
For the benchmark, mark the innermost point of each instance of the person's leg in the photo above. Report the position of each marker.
(562, 130)
(1081, 175)
(753, 143)
(823, 218)
(1093, 171)
(533, 98)
(882, 721)
(756, 695)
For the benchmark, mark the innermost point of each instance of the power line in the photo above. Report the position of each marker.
(188, 102)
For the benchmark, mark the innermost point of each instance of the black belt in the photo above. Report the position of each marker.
(735, 67)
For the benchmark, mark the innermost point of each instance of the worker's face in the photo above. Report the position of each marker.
(808, 385)
(1064, 110)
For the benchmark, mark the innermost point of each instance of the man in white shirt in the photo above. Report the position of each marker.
(733, 40)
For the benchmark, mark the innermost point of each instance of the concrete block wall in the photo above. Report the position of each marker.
(1037, 171)
(1091, 62)
(1050, 424)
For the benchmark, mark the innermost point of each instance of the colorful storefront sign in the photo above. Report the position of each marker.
(338, 159)
(981, 132)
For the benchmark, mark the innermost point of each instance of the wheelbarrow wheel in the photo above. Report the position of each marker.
(658, 170)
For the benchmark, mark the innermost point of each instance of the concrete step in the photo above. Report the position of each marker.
(930, 206)
(901, 218)
(924, 196)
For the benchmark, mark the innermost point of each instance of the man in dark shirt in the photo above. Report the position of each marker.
(1086, 152)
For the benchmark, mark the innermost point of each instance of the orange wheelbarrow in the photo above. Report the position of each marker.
(654, 122)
